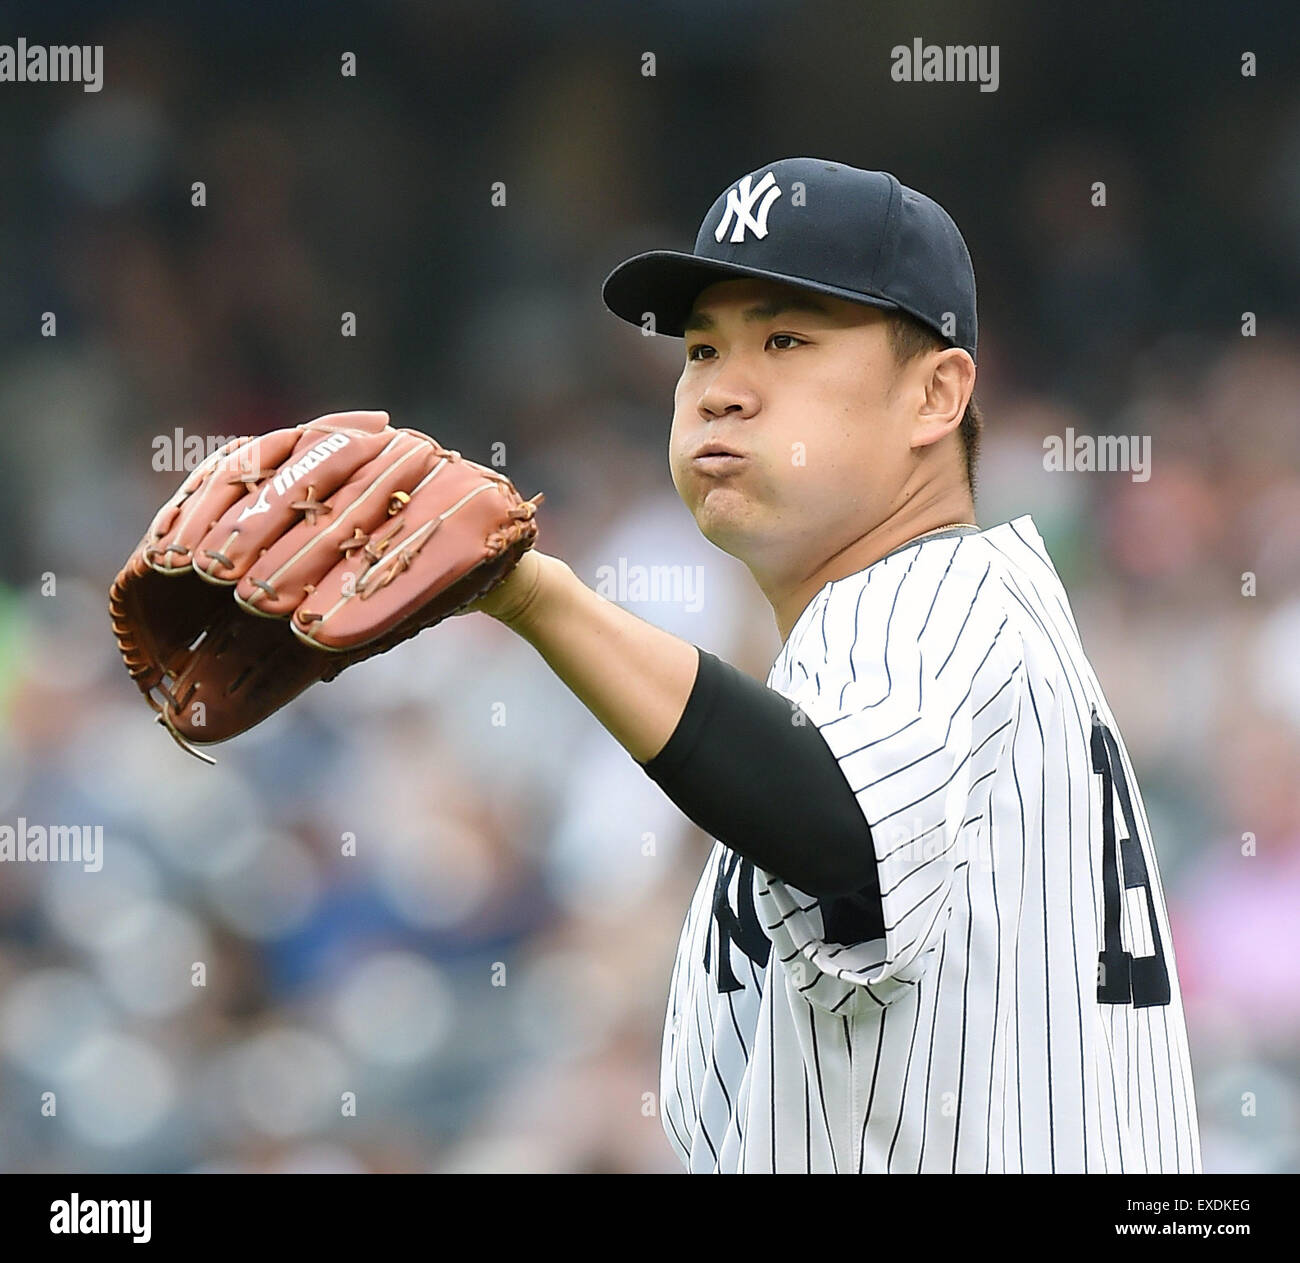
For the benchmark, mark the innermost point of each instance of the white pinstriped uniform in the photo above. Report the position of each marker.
(950, 682)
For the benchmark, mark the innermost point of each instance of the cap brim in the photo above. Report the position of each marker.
(666, 283)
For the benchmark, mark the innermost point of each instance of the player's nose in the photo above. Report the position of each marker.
(727, 393)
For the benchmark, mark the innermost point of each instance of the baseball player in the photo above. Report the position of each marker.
(931, 935)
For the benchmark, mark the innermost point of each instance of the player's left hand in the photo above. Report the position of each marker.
(283, 560)
(511, 599)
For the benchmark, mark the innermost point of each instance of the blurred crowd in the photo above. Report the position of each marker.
(435, 905)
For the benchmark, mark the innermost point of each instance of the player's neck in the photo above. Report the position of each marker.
(789, 600)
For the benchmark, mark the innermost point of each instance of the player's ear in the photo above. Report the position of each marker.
(949, 384)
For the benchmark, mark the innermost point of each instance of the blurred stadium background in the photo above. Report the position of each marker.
(525, 844)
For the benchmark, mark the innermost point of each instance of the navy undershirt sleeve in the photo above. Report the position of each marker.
(752, 770)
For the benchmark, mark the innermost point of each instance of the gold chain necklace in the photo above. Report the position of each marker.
(925, 535)
(937, 529)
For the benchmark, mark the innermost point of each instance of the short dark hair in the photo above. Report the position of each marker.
(908, 338)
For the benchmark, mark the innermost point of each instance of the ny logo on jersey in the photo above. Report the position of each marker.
(740, 207)
(740, 927)
(1123, 978)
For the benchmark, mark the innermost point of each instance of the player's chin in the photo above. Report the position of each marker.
(728, 520)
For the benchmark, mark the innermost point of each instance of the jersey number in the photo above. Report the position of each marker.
(740, 928)
(1123, 978)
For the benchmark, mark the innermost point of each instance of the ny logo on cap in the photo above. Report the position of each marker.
(740, 204)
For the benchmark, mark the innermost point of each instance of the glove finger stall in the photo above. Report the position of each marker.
(445, 532)
(218, 482)
(280, 579)
(315, 467)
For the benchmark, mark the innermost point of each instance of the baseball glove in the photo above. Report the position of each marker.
(286, 558)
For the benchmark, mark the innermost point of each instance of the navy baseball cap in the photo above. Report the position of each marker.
(856, 235)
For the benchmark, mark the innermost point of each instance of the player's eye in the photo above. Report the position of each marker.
(694, 353)
(789, 338)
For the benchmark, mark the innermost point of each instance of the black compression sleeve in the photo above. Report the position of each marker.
(752, 770)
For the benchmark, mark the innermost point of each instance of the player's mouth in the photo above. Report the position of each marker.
(718, 458)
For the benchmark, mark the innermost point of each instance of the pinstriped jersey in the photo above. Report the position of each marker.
(1021, 1012)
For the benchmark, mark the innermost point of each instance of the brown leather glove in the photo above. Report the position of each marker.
(284, 559)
